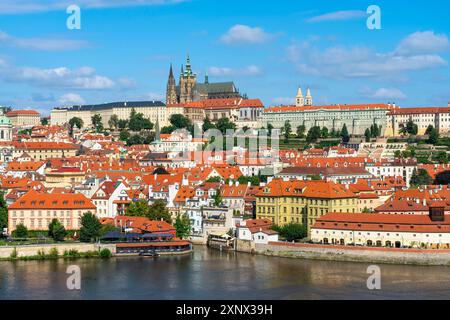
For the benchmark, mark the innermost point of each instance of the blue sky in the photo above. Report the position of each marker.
(269, 48)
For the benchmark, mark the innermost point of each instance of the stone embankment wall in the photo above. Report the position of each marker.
(32, 250)
(351, 254)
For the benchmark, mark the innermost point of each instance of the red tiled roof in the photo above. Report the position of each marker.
(327, 107)
(381, 222)
(22, 112)
(35, 200)
(426, 110)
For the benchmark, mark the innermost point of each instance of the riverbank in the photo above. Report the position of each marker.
(437, 257)
(91, 250)
(54, 251)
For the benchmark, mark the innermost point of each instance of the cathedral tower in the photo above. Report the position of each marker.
(188, 81)
(171, 93)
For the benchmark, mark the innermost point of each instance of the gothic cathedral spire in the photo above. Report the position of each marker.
(171, 93)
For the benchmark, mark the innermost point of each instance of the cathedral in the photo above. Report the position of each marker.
(189, 90)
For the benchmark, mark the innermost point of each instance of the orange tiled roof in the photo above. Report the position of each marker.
(327, 107)
(22, 113)
(35, 200)
(381, 222)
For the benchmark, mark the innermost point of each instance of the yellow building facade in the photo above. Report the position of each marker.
(303, 202)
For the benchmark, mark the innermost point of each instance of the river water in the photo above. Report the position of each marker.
(211, 274)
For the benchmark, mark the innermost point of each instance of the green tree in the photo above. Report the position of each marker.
(3, 213)
(138, 209)
(113, 122)
(21, 231)
(138, 122)
(287, 130)
(412, 128)
(254, 180)
(292, 231)
(44, 121)
(218, 198)
(225, 124)
(97, 122)
(368, 135)
(76, 122)
(56, 230)
(90, 228)
(421, 177)
(375, 131)
(183, 226)
(214, 179)
(344, 134)
(398, 154)
(313, 134)
(122, 124)
(430, 128)
(301, 129)
(324, 133)
(179, 121)
(433, 136)
(158, 210)
(442, 157)
(124, 135)
(207, 124)
(269, 128)
(168, 129)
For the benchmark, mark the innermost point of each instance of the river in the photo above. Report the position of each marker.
(211, 274)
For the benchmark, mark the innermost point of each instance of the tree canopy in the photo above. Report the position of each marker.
(138, 123)
(183, 226)
(157, 211)
(313, 134)
(90, 229)
(292, 231)
(421, 177)
(3, 213)
(97, 122)
(76, 122)
(56, 230)
(287, 130)
(224, 124)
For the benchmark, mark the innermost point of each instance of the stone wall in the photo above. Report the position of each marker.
(356, 254)
(32, 250)
(245, 246)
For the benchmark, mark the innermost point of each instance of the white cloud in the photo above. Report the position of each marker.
(423, 42)
(360, 62)
(84, 78)
(71, 99)
(33, 6)
(384, 93)
(339, 16)
(41, 43)
(251, 70)
(242, 34)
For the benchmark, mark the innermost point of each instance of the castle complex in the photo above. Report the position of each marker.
(189, 90)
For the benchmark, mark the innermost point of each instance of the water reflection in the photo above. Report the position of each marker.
(211, 274)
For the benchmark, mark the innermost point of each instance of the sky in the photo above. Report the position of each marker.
(124, 49)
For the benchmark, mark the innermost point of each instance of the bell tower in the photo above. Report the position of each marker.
(188, 81)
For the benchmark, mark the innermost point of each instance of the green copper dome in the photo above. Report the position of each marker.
(4, 120)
